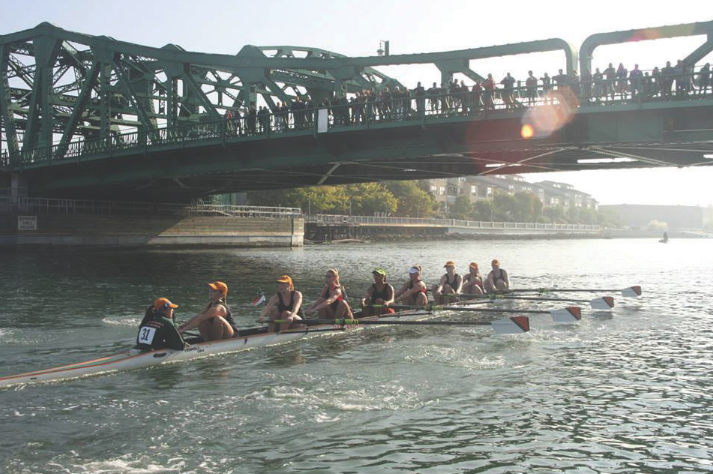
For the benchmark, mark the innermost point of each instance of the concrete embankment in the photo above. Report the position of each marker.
(46, 230)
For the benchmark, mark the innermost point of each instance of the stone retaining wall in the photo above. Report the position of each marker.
(132, 230)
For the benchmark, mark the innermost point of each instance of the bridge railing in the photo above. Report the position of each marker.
(399, 106)
(426, 222)
(79, 206)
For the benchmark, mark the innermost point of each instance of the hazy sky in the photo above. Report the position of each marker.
(354, 28)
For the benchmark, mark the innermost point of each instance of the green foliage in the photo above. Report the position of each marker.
(556, 214)
(483, 210)
(504, 207)
(368, 198)
(462, 208)
(413, 199)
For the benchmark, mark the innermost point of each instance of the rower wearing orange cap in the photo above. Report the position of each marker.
(157, 330)
(332, 303)
(285, 305)
(473, 281)
(379, 293)
(498, 279)
(414, 291)
(215, 322)
(449, 287)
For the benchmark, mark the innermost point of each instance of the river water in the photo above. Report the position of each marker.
(627, 391)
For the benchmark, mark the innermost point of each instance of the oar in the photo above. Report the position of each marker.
(570, 314)
(601, 303)
(630, 292)
(513, 325)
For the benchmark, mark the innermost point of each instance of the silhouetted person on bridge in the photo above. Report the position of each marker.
(621, 75)
(610, 76)
(546, 87)
(508, 83)
(488, 93)
(531, 85)
(703, 80)
(667, 73)
(420, 94)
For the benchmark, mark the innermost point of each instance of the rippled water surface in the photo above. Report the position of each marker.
(627, 391)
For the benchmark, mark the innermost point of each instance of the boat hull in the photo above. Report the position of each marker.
(134, 359)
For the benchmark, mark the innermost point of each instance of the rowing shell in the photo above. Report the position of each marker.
(248, 339)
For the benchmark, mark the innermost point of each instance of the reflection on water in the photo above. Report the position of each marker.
(621, 391)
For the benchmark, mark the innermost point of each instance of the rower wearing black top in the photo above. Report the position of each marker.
(215, 322)
(157, 330)
(285, 305)
(332, 302)
(380, 293)
(414, 291)
(449, 287)
(473, 281)
(498, 279)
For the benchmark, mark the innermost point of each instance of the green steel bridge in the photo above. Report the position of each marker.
(96, 118)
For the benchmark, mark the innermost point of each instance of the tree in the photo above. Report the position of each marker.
(462, 208)
(483, 210)
(555, 213)
(504, 207)
(413, 200)
(369, 198)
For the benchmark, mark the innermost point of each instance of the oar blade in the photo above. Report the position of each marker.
(514, 325)
(631, 292)
(605, 303)
(570, 314)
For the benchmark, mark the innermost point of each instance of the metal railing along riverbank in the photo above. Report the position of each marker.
(423, 222)
(77, 206)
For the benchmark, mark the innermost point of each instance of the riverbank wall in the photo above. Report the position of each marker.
(30, 226)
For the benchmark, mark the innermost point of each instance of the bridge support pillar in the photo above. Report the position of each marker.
(18, 185)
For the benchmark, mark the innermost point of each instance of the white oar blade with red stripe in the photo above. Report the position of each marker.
(514, 325)
(604, 303)
(631, 292)
(570, 314)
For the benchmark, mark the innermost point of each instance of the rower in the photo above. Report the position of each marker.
(215, 322)
(414, 291)
(332, 303)
(449, 287)
(473, 281)
(498, 279)
(379, 293)
(285, 305)
(157, 330)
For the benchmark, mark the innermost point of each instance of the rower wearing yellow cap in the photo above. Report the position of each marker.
(285, 305)
(157, 330)
(449, 287)
(215, 322)
(498, 279)
(379, 293)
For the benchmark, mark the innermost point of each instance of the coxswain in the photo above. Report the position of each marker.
(215, 322)
(332, 303)
(473, 281)
(157, 330)
(449, 287)
(285, 305)
(379, 293)
(414, 291)
(498, 279)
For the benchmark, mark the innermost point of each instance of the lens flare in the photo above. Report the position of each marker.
(527, 131)
(559, 109)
